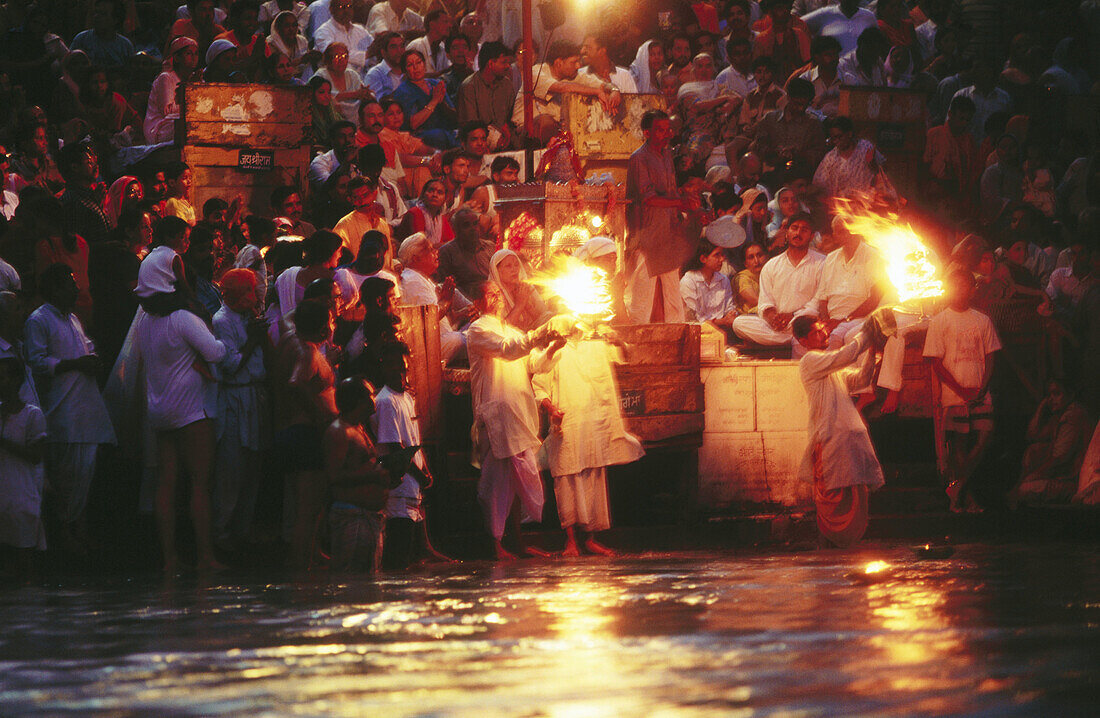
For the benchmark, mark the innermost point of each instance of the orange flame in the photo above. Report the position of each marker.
(911, 266)
(584, 290)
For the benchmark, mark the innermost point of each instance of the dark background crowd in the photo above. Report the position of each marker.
(411, 108)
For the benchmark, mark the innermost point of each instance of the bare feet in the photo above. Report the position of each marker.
(536, 552)
(595, 547)
(504, 554)
(571, 549)
(890, 405)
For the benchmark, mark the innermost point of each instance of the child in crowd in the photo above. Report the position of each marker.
(357, 485)
(396, 427)
(179, 204)
(162, 284)
(22, 479)
(961, 342)
(707, 294)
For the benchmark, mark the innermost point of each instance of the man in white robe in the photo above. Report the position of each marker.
(840, 458)
(587, 433)
(65, 365)
(421, 260)
(506, 420)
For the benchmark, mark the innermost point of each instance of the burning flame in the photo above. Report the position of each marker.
(910, 265)
(585, 291)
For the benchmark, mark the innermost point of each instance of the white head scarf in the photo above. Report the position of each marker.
(276, 40)
(640, 69)
(595, 248)
(494, 275)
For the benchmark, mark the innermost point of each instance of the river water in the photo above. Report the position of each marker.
(993, 630)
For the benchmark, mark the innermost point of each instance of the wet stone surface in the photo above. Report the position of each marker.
(994, 630)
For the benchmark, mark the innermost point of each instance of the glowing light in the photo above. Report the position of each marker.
(876, 567)
(597, 222)
(585, 291)
(910, 265)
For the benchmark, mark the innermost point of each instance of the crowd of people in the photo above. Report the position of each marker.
(217, 347)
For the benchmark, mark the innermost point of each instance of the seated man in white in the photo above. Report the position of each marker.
(421, 260)
(787, 284)
(851, 286)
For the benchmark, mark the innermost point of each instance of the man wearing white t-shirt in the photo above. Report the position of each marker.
(393, 16)
(787, 283)
(599, 65)
(961, 342)
(396, 426)
(844, 21)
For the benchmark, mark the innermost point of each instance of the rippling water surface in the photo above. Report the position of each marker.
(992, 630)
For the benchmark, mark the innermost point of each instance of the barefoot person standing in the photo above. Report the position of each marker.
(587, 433)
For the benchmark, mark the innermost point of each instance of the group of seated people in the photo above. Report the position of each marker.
(413, 115)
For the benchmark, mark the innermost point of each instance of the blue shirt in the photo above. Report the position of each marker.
(113, 52)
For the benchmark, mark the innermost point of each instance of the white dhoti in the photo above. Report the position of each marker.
(756, 330)
(893, 354)
(505, 480)
(582, 500)
(69, 472)
(642, 288)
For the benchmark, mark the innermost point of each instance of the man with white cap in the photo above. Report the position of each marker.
(602, 253)
(421, 260)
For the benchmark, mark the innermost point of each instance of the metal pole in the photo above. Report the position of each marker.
(527, 57)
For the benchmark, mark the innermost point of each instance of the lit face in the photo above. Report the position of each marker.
(491, 301)
(434, 195)
(183, 183)
(509, 271)
(472, 27)
(841, 139)
(566, 68)
(145, 230)
(460, 171)
(395, 48)
(159, 186)
(414, 67)
(342, 11)
(713, 261)
(703, 68)
(660, 133)
(755, 257)
(477, 142)
(736, 18)
(459, 54)
(590, 50)
(393, 117)
(799, 234)
(322, 95)
(292, 207)
(509, 175)
(465, 226)
(1017, 253)
(788, 203)
(362, 198)
(287, 28)
(186, 60)
(427, 262)
(344, 140)
(336, 58)
(763, 75)
(40, 141)
(372, 119)
(284, 69)
(759, 210)
(656, 57)
(680, 52)
(818, 338)
(669, 86)
(987, 264)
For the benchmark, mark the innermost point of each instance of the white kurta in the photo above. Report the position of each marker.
(836, 426)
(74, 408)
(582, 385)
(845, 285)
(21, 497)
(787, 287)
(501, 364)
(418, 290)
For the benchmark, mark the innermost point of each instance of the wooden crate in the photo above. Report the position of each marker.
(420, 331)
(223, 126)
(221, 114)
(215, 173)
(660, 387)
(598, 136)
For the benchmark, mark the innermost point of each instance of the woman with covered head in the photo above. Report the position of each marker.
(523, 307)
(286, 38)
(754, 215)
(125, 192)
(346, 85)
(648, 62)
